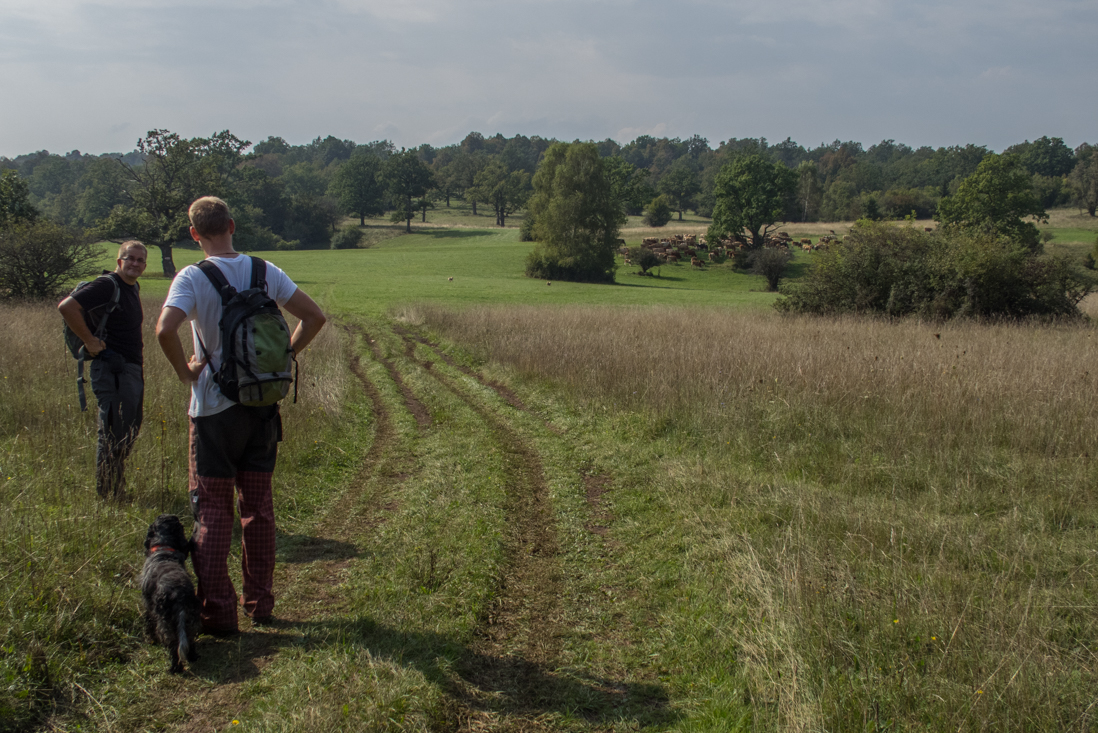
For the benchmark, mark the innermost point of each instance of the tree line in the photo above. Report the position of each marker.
(293, 196)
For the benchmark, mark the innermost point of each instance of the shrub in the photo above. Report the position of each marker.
(770, 262)
(643, 258)
(658, 212)
(348, 238)
(900, 271)
(38, 258)
(526, 230)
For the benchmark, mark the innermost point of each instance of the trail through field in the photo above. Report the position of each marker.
(504, 678)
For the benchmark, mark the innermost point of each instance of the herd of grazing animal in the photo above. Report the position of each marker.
(677, 247)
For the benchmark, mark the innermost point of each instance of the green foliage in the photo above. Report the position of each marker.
(1084, 179)
(15, 203)
(507, 192)
(629, 184)
(898, 271)
(159, 191)
(356, 185)
(526, 230)
(576, 216)
(38, 258)
(751, 194)
(347, 238)
(996, 200)
(679, 184)
(1046, 157)
(643, 258)
(407, 178)
(770, 263)
(658, 212)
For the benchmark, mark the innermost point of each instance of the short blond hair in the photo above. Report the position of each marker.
(125, 247)
(210, 216)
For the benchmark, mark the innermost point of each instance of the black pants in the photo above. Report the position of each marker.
(120, 390)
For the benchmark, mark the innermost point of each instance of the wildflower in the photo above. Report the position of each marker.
(895, 620)
(236, 722)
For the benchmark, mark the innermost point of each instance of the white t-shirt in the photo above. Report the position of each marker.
(193, 293)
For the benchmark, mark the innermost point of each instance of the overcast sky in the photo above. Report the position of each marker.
(96, 76)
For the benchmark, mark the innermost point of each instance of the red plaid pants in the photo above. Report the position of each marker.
(217, 444)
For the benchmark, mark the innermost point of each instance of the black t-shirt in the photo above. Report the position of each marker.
(124, 326)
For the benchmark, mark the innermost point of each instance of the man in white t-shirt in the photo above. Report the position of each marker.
(231, 445)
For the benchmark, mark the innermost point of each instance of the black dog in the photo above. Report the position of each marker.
(171, 607)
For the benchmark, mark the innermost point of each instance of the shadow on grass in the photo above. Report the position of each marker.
(453, 233)
(507, 685)
(296, 549)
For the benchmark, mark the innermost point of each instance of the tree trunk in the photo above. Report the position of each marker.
(362, 220)
(474, 207)
(166, 260)
(680, 214)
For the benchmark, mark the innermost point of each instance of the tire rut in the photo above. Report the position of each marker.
(508, 670)
(309, 570)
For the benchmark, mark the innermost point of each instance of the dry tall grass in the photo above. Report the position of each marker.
(901, 516)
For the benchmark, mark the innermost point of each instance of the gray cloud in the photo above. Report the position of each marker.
(97, 75)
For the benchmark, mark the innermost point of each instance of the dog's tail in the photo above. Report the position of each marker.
(184, 639)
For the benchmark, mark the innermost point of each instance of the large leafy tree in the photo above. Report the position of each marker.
(15, 205)
(679, 184)
(1084, 178)
(576, 216)
(507, 192)
(174, 172)
(751, 193)
(408, 178)
(628, 183)
(1044, 156)
(357, 185)
(997, 198)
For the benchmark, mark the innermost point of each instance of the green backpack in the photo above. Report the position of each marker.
(257, 363)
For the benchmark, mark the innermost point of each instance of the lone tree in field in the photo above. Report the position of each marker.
(507, 192)
(408, 179)
(158, 191)
(751, 195)
(996, 200)
(576, 216)
(357, 185)
(1084, 178)
(679, 184)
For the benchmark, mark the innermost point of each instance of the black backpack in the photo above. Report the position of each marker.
(257, 363)
(96, 320)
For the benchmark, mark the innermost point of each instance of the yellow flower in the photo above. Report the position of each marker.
(236, 722)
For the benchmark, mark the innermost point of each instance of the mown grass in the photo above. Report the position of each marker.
(865, 525)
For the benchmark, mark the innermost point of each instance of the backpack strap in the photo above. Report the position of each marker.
(259, 273)
(100, 332)
(217, 279)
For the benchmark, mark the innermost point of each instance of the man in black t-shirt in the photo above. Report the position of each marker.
(116, 370)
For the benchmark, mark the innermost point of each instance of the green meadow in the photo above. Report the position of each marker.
(658, 505)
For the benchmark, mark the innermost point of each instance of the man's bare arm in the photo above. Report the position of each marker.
(73, 314)
(311, 319)
(167, 334)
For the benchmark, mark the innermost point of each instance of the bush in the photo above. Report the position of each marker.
(348, 238)
(770, 262)
(526, 230)
(37, 259)
(897, 271)
(643, 258)
(658, 212)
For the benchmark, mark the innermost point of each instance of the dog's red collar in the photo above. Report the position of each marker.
(156, 548)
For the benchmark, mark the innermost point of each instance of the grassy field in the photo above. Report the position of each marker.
(658, 505)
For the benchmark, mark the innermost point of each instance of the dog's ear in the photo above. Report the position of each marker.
(149, 536)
